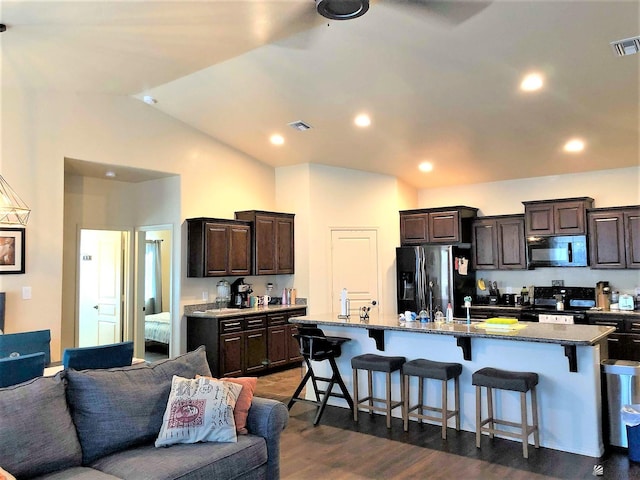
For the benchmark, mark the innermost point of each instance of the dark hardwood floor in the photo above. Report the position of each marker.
(338, 448)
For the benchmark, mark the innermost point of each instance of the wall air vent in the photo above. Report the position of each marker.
(299, 125)
(628, 46)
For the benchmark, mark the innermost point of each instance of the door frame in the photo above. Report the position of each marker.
(139, 275)
(126, 308)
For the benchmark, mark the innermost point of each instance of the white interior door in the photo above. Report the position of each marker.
(354, 266)
(100, 287)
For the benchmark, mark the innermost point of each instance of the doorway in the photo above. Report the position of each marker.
(102, 287)
(354, 266)
(154, 291)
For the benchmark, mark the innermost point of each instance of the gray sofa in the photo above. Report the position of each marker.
(101, 424)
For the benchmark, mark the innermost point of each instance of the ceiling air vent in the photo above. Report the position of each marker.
(628, 46)
(299, 125)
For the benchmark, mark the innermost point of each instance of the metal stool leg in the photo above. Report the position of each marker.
(524, 427)
(491, 415)
(456, 384)
(388, 399)
(405, 403)
(370, 387)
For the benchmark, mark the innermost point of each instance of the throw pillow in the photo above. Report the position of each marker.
(241, 412)
(199, 410)
(4, 475)
(118, 408)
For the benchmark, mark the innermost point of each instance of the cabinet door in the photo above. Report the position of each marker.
(539, 219)
(511, 244)
(485, 245)
(285, 245)
(215, 253)
(277, 346)
(414, 228)
(255, 344)
(569, 218)
(293, 347)
(232, 349)
(606, 240)
(632, 237)
(444, 227)
(265, 245)
(239, 256)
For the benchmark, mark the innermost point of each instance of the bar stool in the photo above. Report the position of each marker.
(522, 382)
(375, 363)
(316, 346)
(428, 369)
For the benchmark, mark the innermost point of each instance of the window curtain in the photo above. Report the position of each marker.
(153, 277)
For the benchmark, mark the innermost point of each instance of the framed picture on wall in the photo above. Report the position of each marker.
(11, 250)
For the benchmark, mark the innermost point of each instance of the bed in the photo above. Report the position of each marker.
(157, 328)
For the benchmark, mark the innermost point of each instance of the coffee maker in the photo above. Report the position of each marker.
(240, 292)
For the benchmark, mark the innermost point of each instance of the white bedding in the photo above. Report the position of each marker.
(157, 327)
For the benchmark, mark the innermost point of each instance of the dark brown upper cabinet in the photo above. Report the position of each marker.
(273, 241)
(436, 225)
(614, 237)
(557, 217)
(499, 243)
(217, 247)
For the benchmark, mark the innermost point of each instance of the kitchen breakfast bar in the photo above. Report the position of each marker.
(566, 358)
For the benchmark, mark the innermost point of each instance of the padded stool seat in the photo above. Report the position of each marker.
(522, 382)
(376, 363)
(429, 369)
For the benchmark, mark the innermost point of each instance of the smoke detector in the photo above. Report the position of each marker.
(628, 46)
(299, 125)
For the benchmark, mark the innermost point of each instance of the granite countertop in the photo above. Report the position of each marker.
(209, 310)
(626, 313)
(501, 307)
(525, 331)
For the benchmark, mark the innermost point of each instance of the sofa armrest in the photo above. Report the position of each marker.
(268, 418)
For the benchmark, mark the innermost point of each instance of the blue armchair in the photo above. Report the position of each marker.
(101, 356)
(14, 370)
(25, 343)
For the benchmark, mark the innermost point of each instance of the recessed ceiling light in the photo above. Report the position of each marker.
(277, 139)
(110, 174)
(362, 120)
(425, 167)
(149, 100)
(532, 82)
(574, 145)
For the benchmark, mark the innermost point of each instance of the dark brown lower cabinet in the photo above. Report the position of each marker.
(624, 343)
(248, 345)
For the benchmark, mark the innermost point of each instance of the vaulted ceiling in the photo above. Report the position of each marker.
(439, 80)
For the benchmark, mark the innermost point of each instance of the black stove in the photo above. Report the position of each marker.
(575, 302)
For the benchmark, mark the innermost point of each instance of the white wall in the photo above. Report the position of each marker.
(40, 129)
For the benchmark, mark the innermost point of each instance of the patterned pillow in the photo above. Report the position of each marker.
(241, 410)
(199, 410)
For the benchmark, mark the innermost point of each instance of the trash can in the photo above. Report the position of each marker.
(631, 418)
(622, 381)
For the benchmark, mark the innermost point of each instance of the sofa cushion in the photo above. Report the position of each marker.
(37, 434)
(195, 461)
(117, 408)
(77, 473)
(199, 410)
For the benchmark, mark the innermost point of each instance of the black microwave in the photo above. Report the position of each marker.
(560, 251)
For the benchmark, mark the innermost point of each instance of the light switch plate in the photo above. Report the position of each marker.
(26, 293)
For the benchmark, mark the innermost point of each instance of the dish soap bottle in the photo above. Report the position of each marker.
(449, 313)
(524, 296)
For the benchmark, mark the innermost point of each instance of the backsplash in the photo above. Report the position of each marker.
(624, 281)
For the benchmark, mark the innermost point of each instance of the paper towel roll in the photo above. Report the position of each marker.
(344, 307)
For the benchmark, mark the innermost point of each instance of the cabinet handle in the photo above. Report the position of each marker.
(232, 324)
(614, 340)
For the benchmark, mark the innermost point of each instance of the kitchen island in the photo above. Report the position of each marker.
(566, 357)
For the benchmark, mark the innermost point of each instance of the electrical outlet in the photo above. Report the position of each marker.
(557, 283)
(26, 293)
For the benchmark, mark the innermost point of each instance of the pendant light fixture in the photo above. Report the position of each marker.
(13, 211)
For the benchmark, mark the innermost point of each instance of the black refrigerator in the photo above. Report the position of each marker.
(431, 276)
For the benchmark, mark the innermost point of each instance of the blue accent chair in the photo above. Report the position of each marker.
(14, 370)
(25, 343)
(101, 356)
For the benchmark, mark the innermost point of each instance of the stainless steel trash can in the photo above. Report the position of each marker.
(622, 382)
